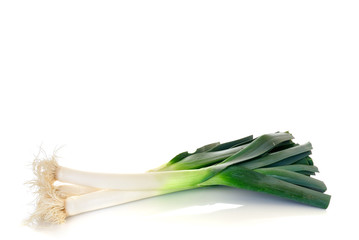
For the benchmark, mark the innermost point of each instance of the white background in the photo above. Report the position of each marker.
(123, 86)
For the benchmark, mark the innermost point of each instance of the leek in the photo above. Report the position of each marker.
(271, 163)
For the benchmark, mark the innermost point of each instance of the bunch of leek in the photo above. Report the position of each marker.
(271, 163)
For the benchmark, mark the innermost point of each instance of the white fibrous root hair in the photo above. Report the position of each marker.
(50, 200)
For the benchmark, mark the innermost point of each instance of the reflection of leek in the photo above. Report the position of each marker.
(271, 163)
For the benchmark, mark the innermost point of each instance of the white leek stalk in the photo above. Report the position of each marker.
(104, 198)
(57, 202)
(142, 181)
